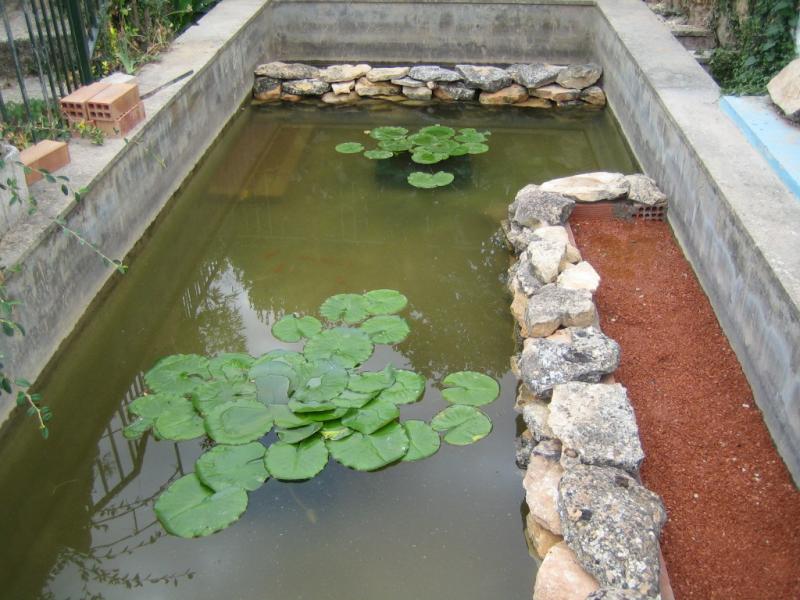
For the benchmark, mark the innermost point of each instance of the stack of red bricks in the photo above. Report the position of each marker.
(115, 108)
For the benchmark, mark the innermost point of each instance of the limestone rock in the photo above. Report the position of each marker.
(587, 356)
(306, 87)
(539, 539)
(343, 87)
(536, 415)
(337, 73)
(290, 97)
(518, 237)
(643, 190)
(613, 524)
(519, 304)
(522, 278)
(334, 98)
(433, 73)
(534, 207)
(617, 594)
(524, 397)
(549, 449)
(581, 276)
(554, 306)
(365, 87)
(392, 98)
(555, 233)
(488, 79)
(593, 95)
(534, 103)
(546, 258)
(508, 95)
(280, 70)
(541, 491)
(266, 89)
(596, 420)
(784, 90)
(589, 187)
(417, 93)
(580, 76)
(556, 93)
(561, 577)
(523, 446)
(408, 82)
(534, 75)
(387, 73)
(450, 92)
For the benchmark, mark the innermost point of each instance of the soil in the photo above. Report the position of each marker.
(734, 513)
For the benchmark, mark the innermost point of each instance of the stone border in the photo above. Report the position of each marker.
(536, 85)
(594, 525)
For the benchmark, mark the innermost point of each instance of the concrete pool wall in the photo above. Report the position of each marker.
(732, 215)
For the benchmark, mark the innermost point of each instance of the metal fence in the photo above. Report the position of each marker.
(48, 49)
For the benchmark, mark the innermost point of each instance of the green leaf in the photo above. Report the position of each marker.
(346, 346)
(407, 388)
(396, 145)
(178, 374)
(470, 137)
(232, 366)
(388, 133)
(352, 399)
(292, 328)
(238, 422)
(429, 181)
(372, 382)
(476, 148)
(350, 308)
(378, 154)
(179, 422)
(386, 329)
(294, 462)
(438, 131)
(459, 150)
(152, 405)
(233, 466)
(423, 441)
(334, 430)
(471, 388)
(275, 380)
(322, 382)
(286, 419)
(190, 509)
(426, 157)
(349, 148)
(367, 452)
(298, 434)
(442, 147)
(137, 428)
(328, 415)
(463, 424)
(290, 357)
(213, 393)
(385, 302)
(371, 417)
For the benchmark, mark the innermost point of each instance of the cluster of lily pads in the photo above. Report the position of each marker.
(428, 146)
(318, 400)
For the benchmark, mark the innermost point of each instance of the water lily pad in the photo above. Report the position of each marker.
(350, 308)
(438, 131)
(470, 137)
(423, 441)
(442, 147)
(188, 509)
(396, 145)
(286, 419)
(426, 157)
(367, 452)
(463, 424)
(378, 154)
(352, 399)
(371, 417)
(294, 462)
(292, 328)
(238, 422)
(233, 466)
(407, 388)
(388, 133)
(429, 181)
(179, 422)
(213, 393)
(150, 406)
(471, 388)
(276, 387)
(349, 148)
(231, 366)
(298, 434)
(322, 381)
(385, 302)
(334, 430)
(328, 415)
(346, 346)
(476, 148)
(137, 428)
(177, 374)
(290, 357)
(422, 139)
(386, 329)
(372, 382)
(459, 150)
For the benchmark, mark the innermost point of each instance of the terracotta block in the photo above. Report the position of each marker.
(73, 107)
(48, 155)
(121, 126)
(113, 102)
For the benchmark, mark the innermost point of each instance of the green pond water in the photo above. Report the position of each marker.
(275, 221)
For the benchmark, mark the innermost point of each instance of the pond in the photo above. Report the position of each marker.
(272, 222)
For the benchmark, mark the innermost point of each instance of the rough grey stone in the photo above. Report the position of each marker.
(536, 415)
(454, 92)
(281, 70)
(518, 237)
(343, 87)
(553, 306)
(306, 87)
(784, 90)
(365, 87)
(337, 73)
(489, 79)
(508, 95)
(386, 73)
(433, 73)
(586, 355)
(265, 84)
(556, 93)
(521, 274)
(593, 95)
(580, 76)
(408, 82)
(643, 190)
(612, 524)
(546, 258)
(596, 420)
(541, 491)
(417, 93)
(534, 75)
(523, 446)
(590, 187)
(617, 594)
(581, 276)
(558, 232)
(534, 207)
(549, 449)
(334, 98)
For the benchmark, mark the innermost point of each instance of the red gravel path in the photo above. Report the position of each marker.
(734, 514)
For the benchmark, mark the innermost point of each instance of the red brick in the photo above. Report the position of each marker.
(121, 126)
(113, 102)
(48, 155)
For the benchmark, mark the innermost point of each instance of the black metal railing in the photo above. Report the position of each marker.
(48, 49)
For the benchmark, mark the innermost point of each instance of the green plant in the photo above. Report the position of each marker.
(45, 122)
(765, 44)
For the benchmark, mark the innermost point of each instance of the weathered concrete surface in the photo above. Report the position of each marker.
(127, 184)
